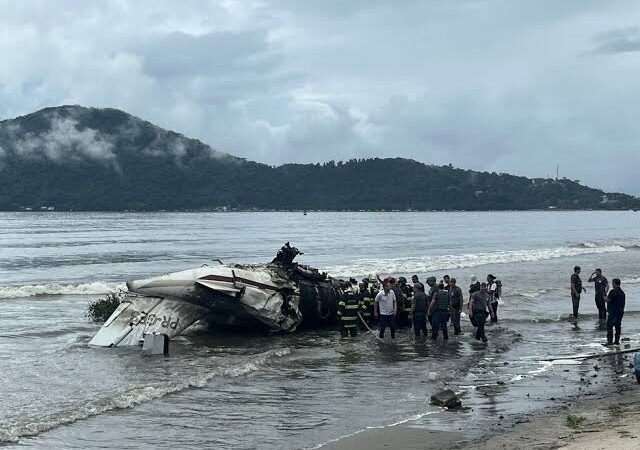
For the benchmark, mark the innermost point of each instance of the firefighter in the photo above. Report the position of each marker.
(404, 303)
(348, 308)
(366, 303)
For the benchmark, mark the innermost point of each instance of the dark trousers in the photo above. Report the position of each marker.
(602, 310)
(494, 311)
(420, 324)
(480, 318)
(351, 330)
(575, 301)
(615, 320)
(455, 320)
(388, 321)
(439, 320)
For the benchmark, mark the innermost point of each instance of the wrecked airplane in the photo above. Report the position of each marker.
(280, 296)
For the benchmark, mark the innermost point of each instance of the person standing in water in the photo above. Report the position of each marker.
(479, 310)
(385, 308)
(419, 306)
(601, 289)
(456, 300)
(440, 309)
(576, 290)
(615, 306)
(492, 288)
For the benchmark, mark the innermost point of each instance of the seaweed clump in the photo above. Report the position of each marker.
(101, 309)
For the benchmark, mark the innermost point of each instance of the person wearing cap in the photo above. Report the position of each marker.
(456, 299)
(474, 287)
(576, 290)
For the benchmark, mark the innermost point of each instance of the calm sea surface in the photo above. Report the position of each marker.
(226, 391)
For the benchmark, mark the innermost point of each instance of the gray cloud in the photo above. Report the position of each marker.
(618, 41)
(485, 84)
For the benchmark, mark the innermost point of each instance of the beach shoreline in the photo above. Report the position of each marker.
(603, 418)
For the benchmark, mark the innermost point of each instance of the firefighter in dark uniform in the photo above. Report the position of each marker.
(348, 308)
(408, 299)
(373, 290)
(366, 303)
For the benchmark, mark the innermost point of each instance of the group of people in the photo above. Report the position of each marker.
(392, 303)
(608, 301)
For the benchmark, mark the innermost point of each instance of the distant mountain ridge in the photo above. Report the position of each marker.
(77, 158)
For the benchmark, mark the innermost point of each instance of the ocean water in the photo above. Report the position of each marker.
(220, 390)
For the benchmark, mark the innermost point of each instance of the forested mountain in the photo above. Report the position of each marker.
(76, 158)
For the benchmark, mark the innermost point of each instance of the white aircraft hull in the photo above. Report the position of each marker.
(264, 296)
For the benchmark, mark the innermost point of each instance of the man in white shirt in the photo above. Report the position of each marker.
(385, 308)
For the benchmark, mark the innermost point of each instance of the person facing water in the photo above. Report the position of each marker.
(348, 308)
(492, 289)
(439, 308)
(366, 303)
(419, 305)
(615, 300)
(576, 290)
(404, 306)
(474, 286)
(456, 300)
(385, 309)
(479, 309)
(601, 290)
(433, 287)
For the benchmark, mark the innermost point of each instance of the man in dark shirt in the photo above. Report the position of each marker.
(601, 288)
(419, 306)
(447, 280)
(433, 287)
(576, 290)
(439, 308)
(479, 310)
(615, 305)
(456, 299)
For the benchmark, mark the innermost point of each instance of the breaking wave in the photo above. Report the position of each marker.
(12, 432)
(97, 287)
(429, 264)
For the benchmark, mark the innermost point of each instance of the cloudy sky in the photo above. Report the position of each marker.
(499, 85)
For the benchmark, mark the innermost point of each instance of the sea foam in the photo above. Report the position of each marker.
(30, 426)
(434, 263)
(97, 287)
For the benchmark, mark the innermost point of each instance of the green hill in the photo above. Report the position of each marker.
(76, 158)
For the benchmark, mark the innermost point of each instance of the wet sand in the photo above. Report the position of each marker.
(396, 437)
(606, 418)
